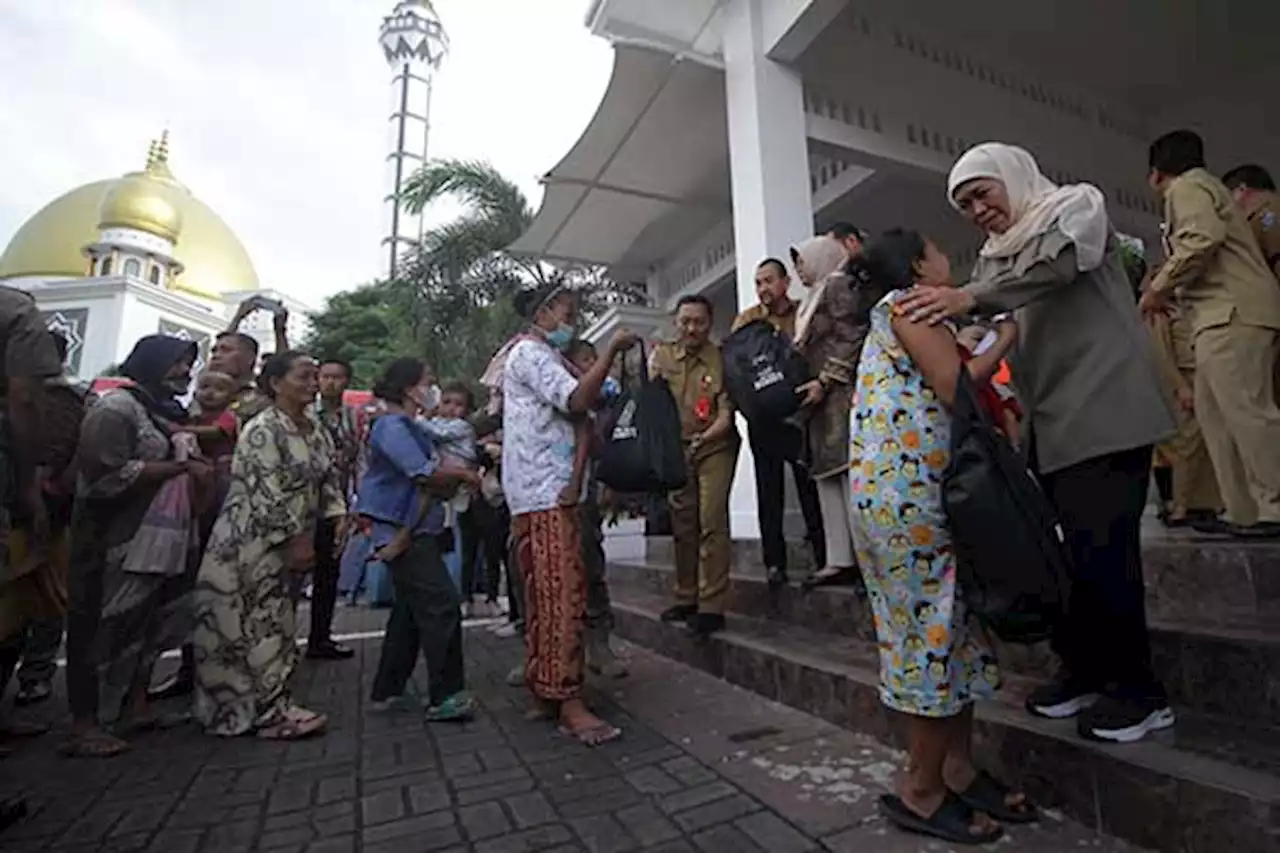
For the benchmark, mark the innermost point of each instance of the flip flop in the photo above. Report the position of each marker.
(98, 745)
(156, 722)
(951, 822)
(988, 794)
(456, 709)
(296, 725)
(840, 577)
(593, 736)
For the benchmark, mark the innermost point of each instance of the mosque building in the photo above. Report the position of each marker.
(116, 259)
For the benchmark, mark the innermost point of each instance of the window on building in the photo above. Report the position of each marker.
(133, 268)
(155, 274)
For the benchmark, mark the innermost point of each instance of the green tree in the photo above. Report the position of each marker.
(452, 303)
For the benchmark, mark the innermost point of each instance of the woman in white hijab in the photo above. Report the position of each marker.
(829, 333)
(1087, 376)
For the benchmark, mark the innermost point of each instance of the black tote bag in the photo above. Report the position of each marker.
(762, 370)
(643, 450)
(1012, 563)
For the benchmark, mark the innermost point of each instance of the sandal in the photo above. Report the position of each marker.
(597, 735)
(156, 722)
(94, 745)
(458, 708)
(951, 822)
(829, 577)
(988, 794)
(30, 694)
(298, 724)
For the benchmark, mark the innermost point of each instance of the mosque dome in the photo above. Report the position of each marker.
(51, 242)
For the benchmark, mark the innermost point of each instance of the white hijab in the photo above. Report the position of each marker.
(822, 257)
(1036, 203)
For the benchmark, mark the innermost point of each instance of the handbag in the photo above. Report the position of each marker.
(762, 370)
(643, 450)
(1012, 563)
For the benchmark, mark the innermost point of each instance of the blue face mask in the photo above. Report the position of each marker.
(561, 336)
(610, 388)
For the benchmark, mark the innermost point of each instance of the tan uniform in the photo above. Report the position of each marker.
(1195, 487)
(1232, 305)
(784, 322)
(1264, 220)
(700, 511)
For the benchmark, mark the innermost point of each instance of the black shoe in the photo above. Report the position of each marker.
(183, 683)
(1211, 526)
(1060, 699)
(329, 651)
(777, 576)
(1125, 720)
(679, 613)
(1259, 530)
(706, 624)
(33, 693)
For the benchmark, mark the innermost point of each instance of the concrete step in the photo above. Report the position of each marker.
(1189, 577)
(1207, 667)
(1163, 793)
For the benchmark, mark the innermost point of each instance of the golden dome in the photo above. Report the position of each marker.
(50, 242)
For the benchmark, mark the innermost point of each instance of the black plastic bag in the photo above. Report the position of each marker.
(762, 370)
(643, 450)
(1012, 562)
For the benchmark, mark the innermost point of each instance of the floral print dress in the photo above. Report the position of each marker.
(934, 659)
(283, 481)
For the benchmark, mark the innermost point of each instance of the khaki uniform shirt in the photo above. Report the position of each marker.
(784, 322)
(1264, 219)
(1214, 263)
(697, 382)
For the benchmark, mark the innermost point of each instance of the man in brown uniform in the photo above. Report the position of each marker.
(777, 444)
(1232, 304)
(694, 369)
(1255, 194)
(28, 589)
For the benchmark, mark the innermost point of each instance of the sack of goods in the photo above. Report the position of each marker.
(642, 448)
(1011, 555)
(762, 370)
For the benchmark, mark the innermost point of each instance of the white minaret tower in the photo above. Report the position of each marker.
(414, 43)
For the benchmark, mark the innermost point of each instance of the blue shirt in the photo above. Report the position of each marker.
(400, 454)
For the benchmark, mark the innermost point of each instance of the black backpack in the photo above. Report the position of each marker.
(1012, 562)
(762, 370)
(643, 450)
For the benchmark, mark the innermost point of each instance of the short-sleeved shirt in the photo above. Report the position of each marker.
(697, 382)
(538, 445)
(26, 347)
(1264, 220)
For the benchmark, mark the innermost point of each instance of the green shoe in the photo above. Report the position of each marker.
(458, 708)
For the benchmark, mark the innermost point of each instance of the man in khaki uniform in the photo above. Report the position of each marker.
(694, 369)
(1255, 194)
(774, 445)
(1232, 304)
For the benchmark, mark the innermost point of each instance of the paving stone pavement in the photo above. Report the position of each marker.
(703, 767)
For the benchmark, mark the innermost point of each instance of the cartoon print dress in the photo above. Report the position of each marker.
(934, 660)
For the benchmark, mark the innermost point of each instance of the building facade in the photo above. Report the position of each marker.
(117, 259)
(733, 129)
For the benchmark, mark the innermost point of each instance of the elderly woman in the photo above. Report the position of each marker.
(935, 660)
(1086, 373)
(123, 612)
(829, 331)
(283, 483)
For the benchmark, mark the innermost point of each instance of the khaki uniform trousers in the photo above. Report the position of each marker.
(1195, 485)
(1236, 406)
(700, 526)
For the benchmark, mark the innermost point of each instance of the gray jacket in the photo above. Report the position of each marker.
(1084, 366)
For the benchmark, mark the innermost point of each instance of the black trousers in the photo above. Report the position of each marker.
(494, 527)
(472, 545)
(1103, 641)
(773, 447)
(425, 616)
(324, 582)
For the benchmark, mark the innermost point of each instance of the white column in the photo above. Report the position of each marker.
(769, 161)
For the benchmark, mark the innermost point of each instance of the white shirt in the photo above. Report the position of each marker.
(538, 440)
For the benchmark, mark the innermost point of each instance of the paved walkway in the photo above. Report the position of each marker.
(703, 767)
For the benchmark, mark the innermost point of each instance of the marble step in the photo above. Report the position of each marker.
(1188, 576)
(1163, 793)
(1206, 667)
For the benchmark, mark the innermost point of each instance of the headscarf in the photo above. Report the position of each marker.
(150, 360)
(822, 257)
(1037, 204)
(527, 303)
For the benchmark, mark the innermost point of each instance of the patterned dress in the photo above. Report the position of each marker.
(934, 660)
(283, 482)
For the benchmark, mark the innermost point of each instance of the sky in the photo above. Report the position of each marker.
(277, 111)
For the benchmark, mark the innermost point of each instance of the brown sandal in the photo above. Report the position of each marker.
(96, 745)
(297, 724)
